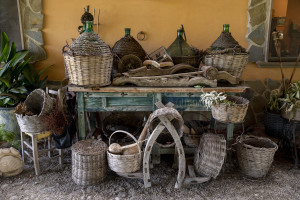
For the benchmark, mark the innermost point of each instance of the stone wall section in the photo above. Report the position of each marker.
(32, 25)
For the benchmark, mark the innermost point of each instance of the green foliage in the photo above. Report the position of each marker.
(9, 137)
(274, 103)
(12, 89)
(291, 99)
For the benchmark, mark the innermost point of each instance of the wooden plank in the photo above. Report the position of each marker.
(195, 180)
(81, 119)
(109, 94)
(110, 89)
(135, 175)
(120, 108)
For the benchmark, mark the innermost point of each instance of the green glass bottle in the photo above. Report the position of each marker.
(180, 47)
(89, 27)
(127, 32)
(226, 28)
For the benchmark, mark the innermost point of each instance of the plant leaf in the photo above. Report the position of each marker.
(6, 82)
(4, 41)
(12, 51)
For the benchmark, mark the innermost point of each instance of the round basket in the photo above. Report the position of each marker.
(231, 114)
(273, 124)
(89, 162)
(191, 140)
(88, 61)
(11, 163)
(210, 155)
(255, 155)
(165, 139)
(39, 103)
(124, 163)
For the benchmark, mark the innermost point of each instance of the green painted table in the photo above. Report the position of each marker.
(110, 99)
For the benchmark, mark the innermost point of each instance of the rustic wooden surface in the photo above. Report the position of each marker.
(114, 89)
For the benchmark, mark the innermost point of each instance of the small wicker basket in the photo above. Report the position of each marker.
(124, 163)
(210, 155)
(89, 162)
(231, 114)
(88, 61)
(255, 155)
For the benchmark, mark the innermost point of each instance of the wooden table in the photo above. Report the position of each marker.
(113, 99)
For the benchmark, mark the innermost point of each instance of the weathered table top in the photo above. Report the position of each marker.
(109, 89)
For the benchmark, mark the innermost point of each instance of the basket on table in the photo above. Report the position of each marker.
(191, 60)
(227, 55)
(255, 155)
(124, 163)
(88, 61)
(210, 155)
(38, 103)
(89, 162)
(231, 114)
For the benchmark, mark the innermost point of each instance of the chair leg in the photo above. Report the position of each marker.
(49, 146)
(61, 156)
(22, 145)
(35, 155)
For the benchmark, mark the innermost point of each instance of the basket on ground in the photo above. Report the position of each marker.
(88, 61)
(89, 162)
(39, 103)
(124, 163)
(210, 155)
(231, 114)
(255, 155)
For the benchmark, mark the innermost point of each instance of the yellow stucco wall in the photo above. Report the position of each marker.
(202, 19)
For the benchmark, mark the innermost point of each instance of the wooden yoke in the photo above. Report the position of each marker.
(165, 122)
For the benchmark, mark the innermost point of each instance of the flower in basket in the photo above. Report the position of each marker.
(213, 98)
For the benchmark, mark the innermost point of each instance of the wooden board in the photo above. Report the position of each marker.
(111, 89)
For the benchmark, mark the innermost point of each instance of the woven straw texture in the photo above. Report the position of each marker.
(165, 139)
(225, 40)
(231, 114)
(210, 155)
(40, 104)
(255, 155)
(11, 163)
(89, 162)
(88, 61)
(191, 60)
(128, 45)
(124, 163)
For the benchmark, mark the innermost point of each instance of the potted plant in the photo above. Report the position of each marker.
(291, 102)
(228, 109)
(12, 89)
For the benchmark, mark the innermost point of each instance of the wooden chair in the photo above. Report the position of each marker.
(35, 138)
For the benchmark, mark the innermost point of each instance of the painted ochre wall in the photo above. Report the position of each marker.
(202, 19)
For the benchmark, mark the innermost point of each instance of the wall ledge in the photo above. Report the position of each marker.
(263, 64)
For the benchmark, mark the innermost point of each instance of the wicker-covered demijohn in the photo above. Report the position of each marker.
(231, 114)
(89, 162)
(227, 55)
(38, 103)
(210, 155)
(124, 163)
(255, 155)
(88, 61)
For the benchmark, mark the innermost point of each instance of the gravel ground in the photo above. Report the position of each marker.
(283, 182)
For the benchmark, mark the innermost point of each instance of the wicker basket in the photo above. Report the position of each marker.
(89, 162)
(11, 163)
(40, 104)
(191, 140)
(88, 61)
(255, 155)
(124, 163)
(231, 114)
(210, 155)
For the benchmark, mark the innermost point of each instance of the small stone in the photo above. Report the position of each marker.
(258, 35)
(4, 186)
(35, 183)
(255, 53)
(257, 14)
(14, 198)
(117, 198)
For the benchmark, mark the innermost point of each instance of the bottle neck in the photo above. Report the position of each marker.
(89, 26)
(226, 28)
(127, 32)
(179, 33)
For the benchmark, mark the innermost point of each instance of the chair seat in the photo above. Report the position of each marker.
(41, 135)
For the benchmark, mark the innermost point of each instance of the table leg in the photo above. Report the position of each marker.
(81, 119)
(229, 141)
(295, 145)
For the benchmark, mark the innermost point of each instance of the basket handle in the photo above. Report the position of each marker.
(63, 49)
(121, 131)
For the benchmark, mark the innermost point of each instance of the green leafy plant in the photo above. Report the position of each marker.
(291, 99)
(9, 136)
(12, 89)
(212, 98)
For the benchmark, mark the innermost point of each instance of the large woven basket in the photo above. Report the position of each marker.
(124, 163)
(210, 155)
(231, 114)
(39, 103)
(255, 155)
(88, 61)
(89, 162)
